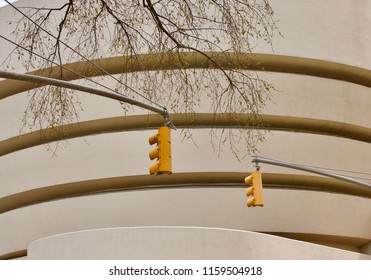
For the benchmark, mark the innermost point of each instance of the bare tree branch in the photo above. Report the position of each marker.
(95, 28)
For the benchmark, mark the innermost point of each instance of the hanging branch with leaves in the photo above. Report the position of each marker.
(99, 28)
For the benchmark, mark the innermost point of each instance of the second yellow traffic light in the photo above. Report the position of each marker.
(255, 192)
(162, 152)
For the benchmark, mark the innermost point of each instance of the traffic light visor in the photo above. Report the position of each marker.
(248, 180)
(153, 139)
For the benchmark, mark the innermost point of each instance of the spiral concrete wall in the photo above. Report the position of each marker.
(94, 199)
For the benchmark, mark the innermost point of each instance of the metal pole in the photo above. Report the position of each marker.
(258, 160)
(104, 93)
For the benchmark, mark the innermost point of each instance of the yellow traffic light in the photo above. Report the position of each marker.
(162, 151)
(255, 192)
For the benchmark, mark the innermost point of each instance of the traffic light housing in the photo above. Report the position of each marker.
(255, 191)
(162, 152)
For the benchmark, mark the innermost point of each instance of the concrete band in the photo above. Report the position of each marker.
(196, 120)
(177, 180)
(161, 61)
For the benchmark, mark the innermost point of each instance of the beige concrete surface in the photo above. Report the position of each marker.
(184, 243)
(344, 218)
(320, 68)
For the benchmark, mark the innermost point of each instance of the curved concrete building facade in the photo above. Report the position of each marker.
(94, 199)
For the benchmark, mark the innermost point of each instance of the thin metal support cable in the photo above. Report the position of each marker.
(334, 169)
(161, 110)
(258, 160)
(341, 170)
(61, 66)
(60, 83)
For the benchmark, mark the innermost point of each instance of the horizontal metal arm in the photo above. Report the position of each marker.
(104, 93)
(258, 160)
